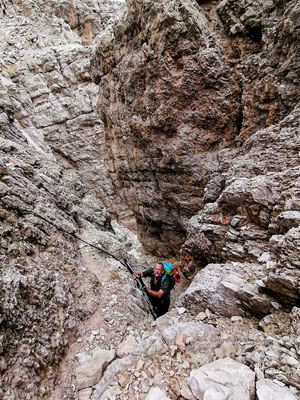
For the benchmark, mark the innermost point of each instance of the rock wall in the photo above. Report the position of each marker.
(46, 84)
(41, 300)
(200, 102)
(51, 165)
(166, 100)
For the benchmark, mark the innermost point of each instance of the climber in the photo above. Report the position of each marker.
(161, 284)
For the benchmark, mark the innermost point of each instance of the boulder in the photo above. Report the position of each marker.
(127, 346)
(151, 345)
(283, 284)
(224, 289)
(90, 372)
(117, 368)
(204, 338)
(223, 380)
(268, 390)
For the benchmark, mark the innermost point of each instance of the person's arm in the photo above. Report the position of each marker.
(158, 294)
(146, 273)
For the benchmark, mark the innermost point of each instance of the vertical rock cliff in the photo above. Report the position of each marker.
(47, 85)
(50, 169)
(200, 103)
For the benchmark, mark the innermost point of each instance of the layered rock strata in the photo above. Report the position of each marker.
(47, 88)
(200, 103)
(46, 96)
(41, 301)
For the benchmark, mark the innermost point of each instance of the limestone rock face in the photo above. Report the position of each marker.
(166, 97)
(46, 84)
(41, 207)
(269, 31)
(46, 95)
(199, 105)
(200, 136)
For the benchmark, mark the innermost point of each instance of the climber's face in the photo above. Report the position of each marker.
(158, 270)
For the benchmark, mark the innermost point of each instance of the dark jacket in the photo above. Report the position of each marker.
(165, 283)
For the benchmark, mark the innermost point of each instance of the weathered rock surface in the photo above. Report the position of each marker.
(168, 51)
(226, 151)
(267, 390)
(47, 87)
(156, 394)
(224, 289)
(203, 338)
(47, 96)
(127, 346)
(90, 372)
(41, 300)
(199, 103)
(223, 379)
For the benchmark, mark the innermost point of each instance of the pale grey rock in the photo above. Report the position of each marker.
(209, 233)
(225, 290)
(275, 305)
(291, 361)
(236, 318)
(173, 350)
(111, 393)
(127, 346)
(151, 345)
(284, 284)
(49, 131)
(181, 310)
(279, 383)
(90, 372)
(165, 320)
(83, 357)
(268, 390)
(156, 393)
(223, 379)
(186, 392)
(260, 190)
(186, 365)
(226, 350)
(201, 337)
(117, 367)
(288, 219)
(85, 394)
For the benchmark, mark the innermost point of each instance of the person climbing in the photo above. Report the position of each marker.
(161, 284)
